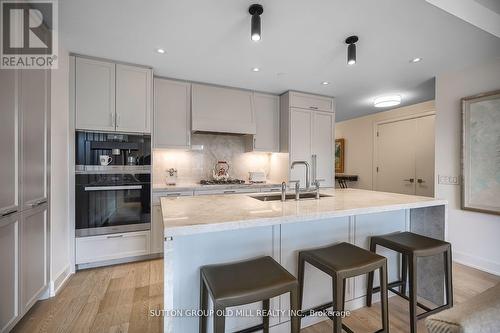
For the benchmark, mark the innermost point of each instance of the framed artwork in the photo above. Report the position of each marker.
(339, 155)
(481, 153)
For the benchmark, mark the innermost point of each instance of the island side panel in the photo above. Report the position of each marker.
(431, 222)
(168, 283)
(193, 251)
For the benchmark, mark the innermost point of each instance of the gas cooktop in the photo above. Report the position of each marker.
(221, 182)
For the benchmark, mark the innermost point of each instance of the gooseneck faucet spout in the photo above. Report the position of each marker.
(306, 164)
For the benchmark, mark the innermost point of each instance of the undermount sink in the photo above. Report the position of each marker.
(290, 196)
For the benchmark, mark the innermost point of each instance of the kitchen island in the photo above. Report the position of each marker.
(223, 228)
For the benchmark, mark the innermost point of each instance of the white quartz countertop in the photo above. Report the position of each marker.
(209, 213)
(200, 187)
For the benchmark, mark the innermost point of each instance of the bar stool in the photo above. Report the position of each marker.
(246, 282)
(411, 246)
(342, 261)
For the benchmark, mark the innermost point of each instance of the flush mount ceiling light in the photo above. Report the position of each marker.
(415, 60)
(160, 51)
(325, 83)
(386, 101)
(351, 49)
(255, 10)
(255, 69)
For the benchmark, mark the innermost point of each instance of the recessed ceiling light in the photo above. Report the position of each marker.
(160, 51)
(325, 83)
(386, 101)
(255, 69)
(414, 60)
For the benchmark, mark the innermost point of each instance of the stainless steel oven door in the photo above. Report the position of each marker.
(107, 204)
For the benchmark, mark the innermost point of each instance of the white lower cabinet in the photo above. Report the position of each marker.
(109, 247)
(34, 256)
(9, 272)
(157, 230)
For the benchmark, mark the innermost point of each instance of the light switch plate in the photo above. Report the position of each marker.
(448, 180)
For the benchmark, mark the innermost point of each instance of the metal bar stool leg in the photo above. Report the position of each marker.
(412, 268)
(337, 303)
(383, 298)
(300, 274)
(203, 306)
(219, 319)
(369, 288)
(404, 273)
(448, 276)
(294, 309)
(265, 318)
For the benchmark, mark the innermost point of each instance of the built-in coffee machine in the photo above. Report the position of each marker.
(113, 183)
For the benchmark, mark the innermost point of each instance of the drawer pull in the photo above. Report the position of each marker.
(38, 203)
(173, 194)
(9, 212)
(229, 192)
(115, 236)
(313, 107)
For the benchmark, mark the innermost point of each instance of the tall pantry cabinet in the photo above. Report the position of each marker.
(24, 193)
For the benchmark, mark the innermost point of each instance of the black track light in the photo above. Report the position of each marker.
(351, 49)
(256, 10)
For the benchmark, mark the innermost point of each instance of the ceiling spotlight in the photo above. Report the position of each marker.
(386, 101)
(325, 83)
(414, 60)
(255, 69)
(160, 51)
(255, 10)
(351, 49)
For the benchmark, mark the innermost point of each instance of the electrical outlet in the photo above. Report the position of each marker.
(448, 180)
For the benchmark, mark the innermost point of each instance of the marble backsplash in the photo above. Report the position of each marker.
(194, 165)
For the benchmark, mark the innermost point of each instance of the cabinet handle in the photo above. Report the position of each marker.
(113, 119)
(228, 192)
(38, 203)
(8, 212)
(313, 107)
(117, 119)
(173, 194)
(115, 236)
(254, 143)
(420, 181)
(275, 190)
(411, 180)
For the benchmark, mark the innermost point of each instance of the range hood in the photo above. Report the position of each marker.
(222, 110)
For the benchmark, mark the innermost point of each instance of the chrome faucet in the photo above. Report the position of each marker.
(308, 183)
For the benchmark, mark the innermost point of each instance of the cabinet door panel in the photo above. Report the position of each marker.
(172, 114)
(323, 139)
(95, 95)
(312, 102)
(33, 255)
(33, 104)
(157, 230)
(9, 136)
(133, 99)
(300, 142)
(267, 120)
(9, 261)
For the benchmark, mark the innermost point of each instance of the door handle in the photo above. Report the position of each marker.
(411, 180)
(112, 188)
(38, 202)
(116, 236)
(420, 181)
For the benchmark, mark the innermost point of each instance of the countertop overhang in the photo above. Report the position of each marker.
(211, 213)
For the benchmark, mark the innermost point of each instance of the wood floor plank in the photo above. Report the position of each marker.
(117, 299)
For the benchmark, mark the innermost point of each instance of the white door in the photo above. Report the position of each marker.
(425, 156)
(9, 136)
(9, 261)
(34, 264)
(395, 167)
(322, 146)
(95, 95)
(34, 102)
(133, 99)
(172, 114)
(300, 142)
(267, 115)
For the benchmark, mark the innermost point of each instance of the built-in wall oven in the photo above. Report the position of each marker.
(112, 198)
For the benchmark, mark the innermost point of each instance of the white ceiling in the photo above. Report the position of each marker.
(302, 44)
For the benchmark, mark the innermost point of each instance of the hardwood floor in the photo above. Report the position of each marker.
(118, 299)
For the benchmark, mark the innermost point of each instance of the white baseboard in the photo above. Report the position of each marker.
(60, 280)
(477, 262)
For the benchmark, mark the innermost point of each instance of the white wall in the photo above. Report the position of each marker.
(474, 236)
(358, 135)
(59, 123)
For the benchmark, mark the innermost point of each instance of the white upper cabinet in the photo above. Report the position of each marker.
(267, 116)
(224, 110)
(322, 147)
(172, 114)
(300, 142)
(33, 106)
(133, 99)
(94, 94)
(311, 102)
(9, 135)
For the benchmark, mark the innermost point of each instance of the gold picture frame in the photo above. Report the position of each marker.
(339, 155)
